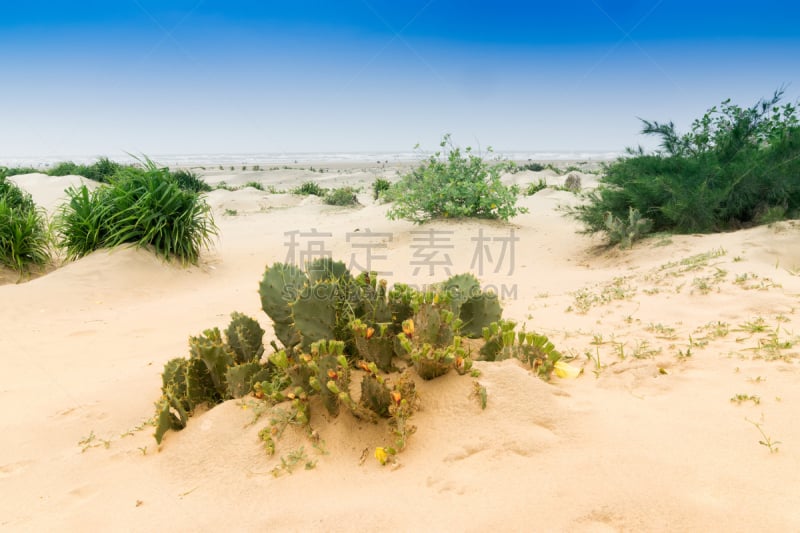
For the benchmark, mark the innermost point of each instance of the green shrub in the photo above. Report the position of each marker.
(452, 185)
(531, 166)
(100, 171)
(341, 196)
(24, 233)
(309, 188)
(735, 166)
(141, 206)
(67, 168)
(189, 181)
(380, 186)
(16, 171)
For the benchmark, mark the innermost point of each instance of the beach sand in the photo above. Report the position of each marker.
(646, 439)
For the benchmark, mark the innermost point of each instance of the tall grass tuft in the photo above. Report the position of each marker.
(189, 181)
(24, 233)
(146, 207)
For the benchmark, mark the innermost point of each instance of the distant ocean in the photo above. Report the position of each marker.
(292, 158)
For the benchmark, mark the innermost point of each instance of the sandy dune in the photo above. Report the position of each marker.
(647, 439)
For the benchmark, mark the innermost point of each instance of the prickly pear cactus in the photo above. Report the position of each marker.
(314, 314)
(461, 288)
(498, 340)
(434, 323)
(217, 356)
(478, 312)
(375, 345)
(375, 394)
(326, 269)
(186, 383)
(240, 378)
(400, 301)
(246, 338)
(280, 286)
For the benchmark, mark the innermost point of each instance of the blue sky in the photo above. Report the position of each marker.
(235, 76)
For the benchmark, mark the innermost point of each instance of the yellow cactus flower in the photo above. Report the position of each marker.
(408, 327)
(564, 370)
(381, 455)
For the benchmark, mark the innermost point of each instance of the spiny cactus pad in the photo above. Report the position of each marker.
(280, 286)
(246, 338)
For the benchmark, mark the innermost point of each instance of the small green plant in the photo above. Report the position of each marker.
(379, 187)
(533, 188)
(254, 184)
(291, 461)
(479, 392)
(738, 399)
(625, 233)
(343, 196)
(309, 188)
(455, 185)
(766, 441)
(231, 212)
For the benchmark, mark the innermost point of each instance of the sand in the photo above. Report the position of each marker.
(646, 439)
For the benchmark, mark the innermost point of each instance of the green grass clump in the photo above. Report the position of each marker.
(189, 181)
(341, 196)
(101, 171)
(24, 233)
(455, 185)
(380, 186)
(309, 188)
(254, 184)
(16, 171)
(146, 207)
(533, 188)
(532, 166)
(737, 167)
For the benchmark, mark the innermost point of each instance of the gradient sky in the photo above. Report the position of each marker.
(234, 76)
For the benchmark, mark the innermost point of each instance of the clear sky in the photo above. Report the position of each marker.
(233, 76)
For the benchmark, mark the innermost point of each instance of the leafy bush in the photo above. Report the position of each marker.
(341, 196)
(189, 181)
(734, 167)
(379, 186)
(309, 188)
(452, 185)
(141, 206)
(24, 234)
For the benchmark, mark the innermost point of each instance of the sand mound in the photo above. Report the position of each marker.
(686, 343)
